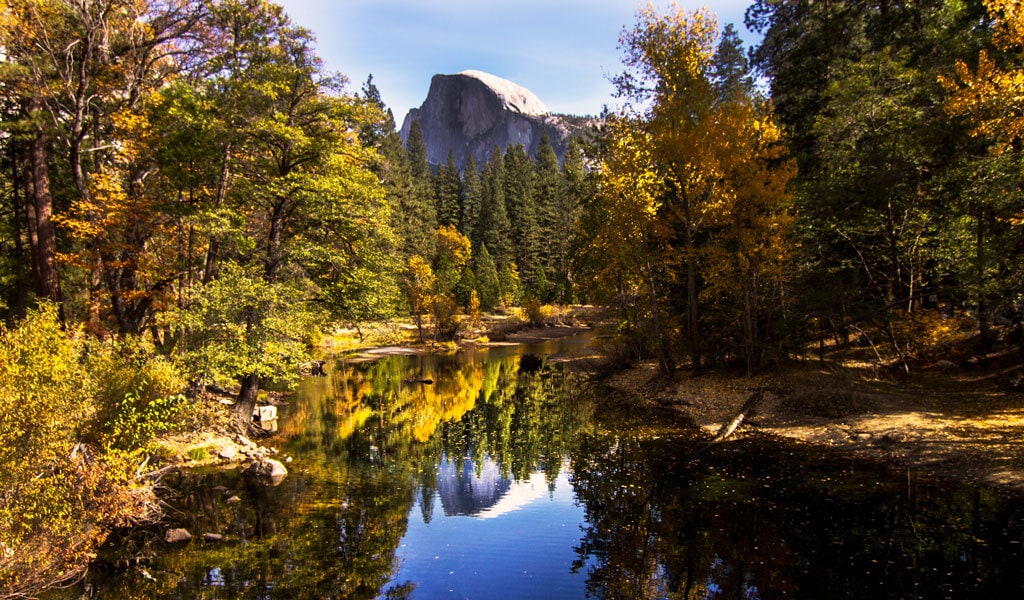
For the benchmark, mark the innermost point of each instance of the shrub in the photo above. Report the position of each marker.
(198, 453)
(538, 314)
(930, 335)
(136, 421)
(59, 496)
(137, 395)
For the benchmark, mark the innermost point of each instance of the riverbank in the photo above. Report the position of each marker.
(959, 424)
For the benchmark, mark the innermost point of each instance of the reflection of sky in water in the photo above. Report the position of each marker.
(518, 546)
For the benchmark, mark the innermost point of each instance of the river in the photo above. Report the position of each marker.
(485, 475)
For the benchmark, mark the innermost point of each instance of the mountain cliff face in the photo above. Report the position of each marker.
(471, 112)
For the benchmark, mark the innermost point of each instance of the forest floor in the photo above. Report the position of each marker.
(966, 425)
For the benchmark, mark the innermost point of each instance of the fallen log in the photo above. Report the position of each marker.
(748, 407)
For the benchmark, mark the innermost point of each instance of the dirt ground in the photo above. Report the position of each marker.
(957, 424)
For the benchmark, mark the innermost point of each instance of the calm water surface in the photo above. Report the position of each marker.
(500, 482)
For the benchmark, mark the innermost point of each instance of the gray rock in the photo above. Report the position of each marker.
(267, 471)
(177, 536)
(228, 453)
(212, 537)
(471, 112)
(246, 443)
(233, 500)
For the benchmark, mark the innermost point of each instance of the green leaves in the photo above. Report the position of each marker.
(239, 324)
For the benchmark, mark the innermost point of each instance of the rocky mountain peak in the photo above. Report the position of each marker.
(513, 96)
(471, 112)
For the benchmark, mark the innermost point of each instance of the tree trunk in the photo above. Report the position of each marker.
(21, 255)
(984, 322)
(748, 407)
(93, 323)
(666, 365)
(274, 251)
(749, 331)
(40, 211)
(419, 325)
(246, 402)
(692, 318)
(213, 252)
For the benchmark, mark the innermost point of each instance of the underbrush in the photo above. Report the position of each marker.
(78, 420)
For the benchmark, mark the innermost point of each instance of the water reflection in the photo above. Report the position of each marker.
(763, 519)
(491, 482)
(466, 491)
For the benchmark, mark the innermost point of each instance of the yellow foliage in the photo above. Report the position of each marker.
(928, 334)
(419, 282)
(58, 497)
(454, 245)
(473, 309)
(992, 98)
(1009, 22)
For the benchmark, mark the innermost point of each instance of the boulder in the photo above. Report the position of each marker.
(246, 443)
(177, 536)
(212, 537)
(267, 471)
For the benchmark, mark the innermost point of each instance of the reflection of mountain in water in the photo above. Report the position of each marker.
(488, 495)
(464, 492)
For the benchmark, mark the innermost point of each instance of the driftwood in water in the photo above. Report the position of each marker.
(748, 407)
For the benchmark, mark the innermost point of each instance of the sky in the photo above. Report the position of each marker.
(564, 51)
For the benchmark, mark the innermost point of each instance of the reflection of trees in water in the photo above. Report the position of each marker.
(367, 442)
(526, 422)
(310, 537)
(482, 408)
(750, 521)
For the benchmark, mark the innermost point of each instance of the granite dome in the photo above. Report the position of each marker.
(472, 112)
(515, 97)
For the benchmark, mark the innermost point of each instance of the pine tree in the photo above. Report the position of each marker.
(731, 70)
(578, 187)
(549, 197)
(448, 192)
(493, 226)
(420, 213)
(470, 201)
(417, 148)
(522, 214)
(487, 284)
(374, 131)
(413, 221)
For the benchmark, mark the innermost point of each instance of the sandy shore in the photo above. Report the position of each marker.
(956, 425)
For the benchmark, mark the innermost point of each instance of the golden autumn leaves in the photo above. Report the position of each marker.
(695, 196)
(992, 97)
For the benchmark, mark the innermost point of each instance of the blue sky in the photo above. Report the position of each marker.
(562, 50)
